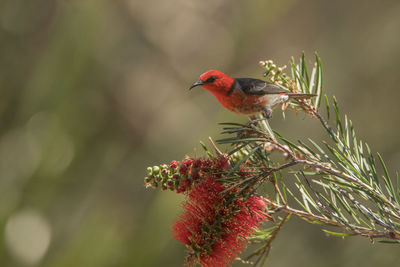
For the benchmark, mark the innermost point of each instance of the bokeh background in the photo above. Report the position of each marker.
(94, 91)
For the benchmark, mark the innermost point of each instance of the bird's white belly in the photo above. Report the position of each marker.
(274, 100)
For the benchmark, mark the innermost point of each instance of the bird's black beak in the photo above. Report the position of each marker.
(199, 82)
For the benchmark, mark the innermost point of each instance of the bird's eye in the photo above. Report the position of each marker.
(211, 79)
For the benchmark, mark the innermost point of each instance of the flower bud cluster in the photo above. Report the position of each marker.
(180, 176)
(276, 74)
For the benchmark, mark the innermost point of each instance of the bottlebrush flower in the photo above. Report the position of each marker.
(180, 176)
(215, 224)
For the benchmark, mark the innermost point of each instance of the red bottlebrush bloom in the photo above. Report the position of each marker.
(222, 163)
(185, 173)
(188, 161)
(195, 175)
(215, 225)
(174, 164)
(184, 186)
(183, 169)
(197, 163)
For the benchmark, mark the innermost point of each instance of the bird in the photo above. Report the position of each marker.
(246, 96)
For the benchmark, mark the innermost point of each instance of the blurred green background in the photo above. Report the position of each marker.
(94, 91)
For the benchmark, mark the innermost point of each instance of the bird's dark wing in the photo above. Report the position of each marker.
(256, 87)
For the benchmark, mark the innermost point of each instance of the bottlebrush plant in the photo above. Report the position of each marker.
(337, 184)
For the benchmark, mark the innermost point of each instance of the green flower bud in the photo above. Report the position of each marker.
(164, 186)
(163, 166)
(169, 183)
(164, 173)
(156, 170)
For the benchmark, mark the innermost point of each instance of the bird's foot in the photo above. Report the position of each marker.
(267, 113)
(250, 124)
(253, 122)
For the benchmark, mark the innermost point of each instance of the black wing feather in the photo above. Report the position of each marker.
(252, 86)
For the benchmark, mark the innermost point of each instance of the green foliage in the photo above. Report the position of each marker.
(337, 182)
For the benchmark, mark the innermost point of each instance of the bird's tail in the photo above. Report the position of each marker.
(300, 95)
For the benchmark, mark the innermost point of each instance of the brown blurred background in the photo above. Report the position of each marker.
(94, 91)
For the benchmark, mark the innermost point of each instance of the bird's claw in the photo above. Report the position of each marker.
(251, 124)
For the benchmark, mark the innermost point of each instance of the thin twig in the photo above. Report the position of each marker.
(217, 151)
(279, 193)
(369, 233)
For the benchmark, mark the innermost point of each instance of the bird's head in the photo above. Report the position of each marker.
(214, 81)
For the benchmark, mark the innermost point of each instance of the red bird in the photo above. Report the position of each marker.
(245, 96)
